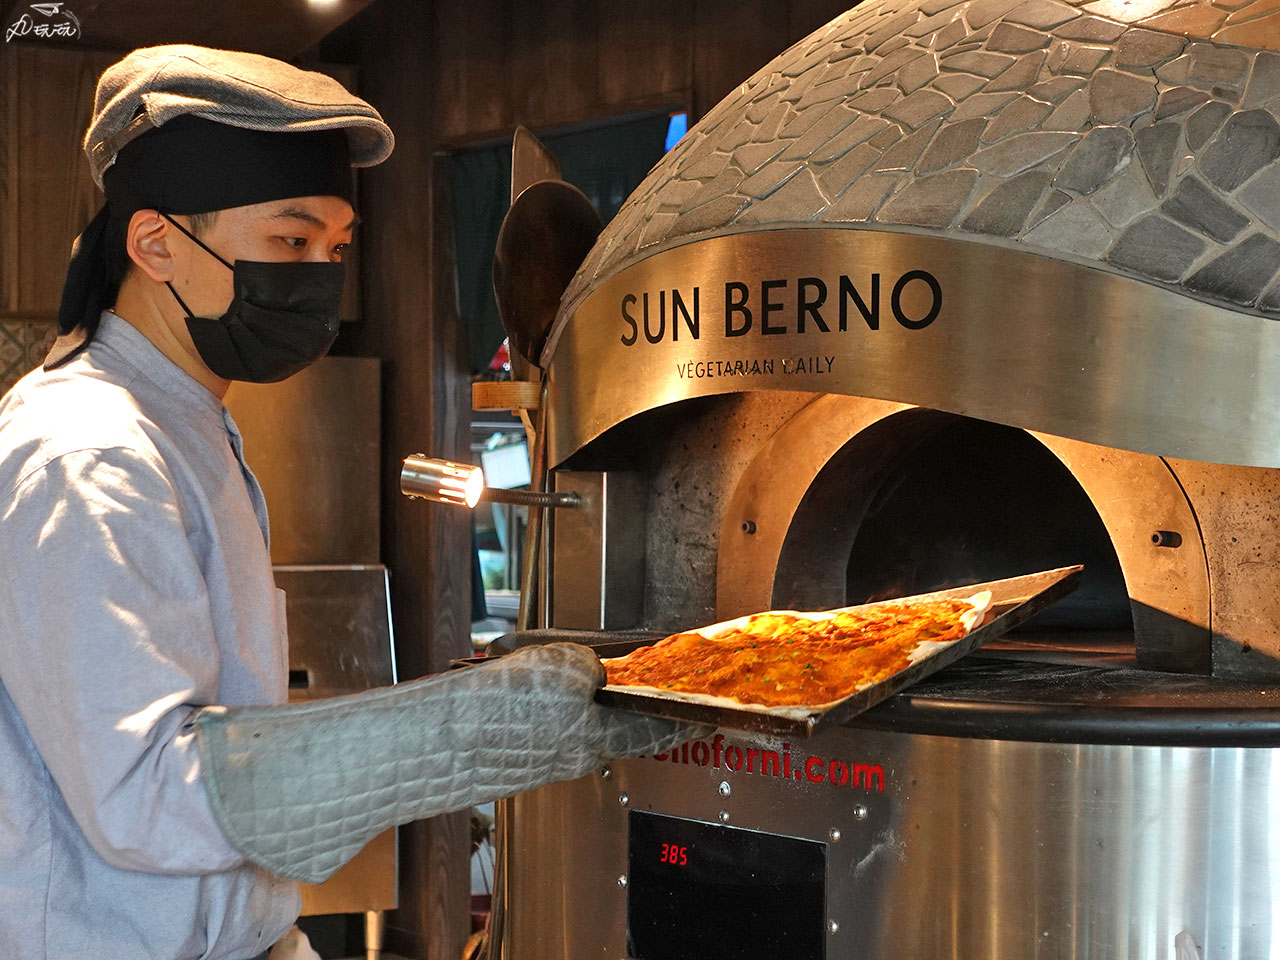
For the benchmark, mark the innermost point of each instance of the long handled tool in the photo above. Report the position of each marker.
(544, 238)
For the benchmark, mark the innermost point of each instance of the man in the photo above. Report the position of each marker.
(153, 801)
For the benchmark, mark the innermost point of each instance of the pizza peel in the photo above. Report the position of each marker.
(544, 238)
(531, 161)
(1013, 602)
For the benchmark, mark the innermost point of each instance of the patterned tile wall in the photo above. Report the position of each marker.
(1100, 132)
(23, 344)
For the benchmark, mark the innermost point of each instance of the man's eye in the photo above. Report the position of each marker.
(298, 243)
(340, 250)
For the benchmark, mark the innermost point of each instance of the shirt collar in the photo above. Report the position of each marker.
(122, 339)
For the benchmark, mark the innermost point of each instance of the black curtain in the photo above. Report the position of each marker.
(606, 161)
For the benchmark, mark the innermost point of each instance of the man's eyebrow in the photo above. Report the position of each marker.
(298, 213)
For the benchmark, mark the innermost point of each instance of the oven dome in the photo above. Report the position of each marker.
(1140, 137)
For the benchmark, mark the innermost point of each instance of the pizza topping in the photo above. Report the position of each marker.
(783, 659)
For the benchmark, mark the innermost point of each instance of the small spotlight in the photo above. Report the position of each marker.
(425, 478)
(441, 480)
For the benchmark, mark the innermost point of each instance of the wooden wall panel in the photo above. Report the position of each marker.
(498, 62)
(47, 197)
(469, 57)
(553, 61)
(644, 49)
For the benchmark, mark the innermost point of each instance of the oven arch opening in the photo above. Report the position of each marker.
(806, 493)
(976, 501)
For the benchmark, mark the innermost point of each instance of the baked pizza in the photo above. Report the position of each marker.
(784, 660)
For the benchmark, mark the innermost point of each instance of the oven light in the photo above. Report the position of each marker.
(427, 478)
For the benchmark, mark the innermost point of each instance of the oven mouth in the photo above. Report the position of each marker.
(975, 501)
(928, 501)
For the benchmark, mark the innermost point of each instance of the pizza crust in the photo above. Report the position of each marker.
(979, 603)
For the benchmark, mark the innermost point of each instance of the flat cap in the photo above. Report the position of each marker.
(153, 85)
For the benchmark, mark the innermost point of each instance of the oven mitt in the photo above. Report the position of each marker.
(299, 789)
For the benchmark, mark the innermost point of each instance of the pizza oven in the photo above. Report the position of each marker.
(950, 291)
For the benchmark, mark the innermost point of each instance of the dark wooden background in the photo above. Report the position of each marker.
(444, 75)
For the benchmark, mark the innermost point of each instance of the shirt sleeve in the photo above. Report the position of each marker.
(106, 648)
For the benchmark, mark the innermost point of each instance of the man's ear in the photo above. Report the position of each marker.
(147, 243)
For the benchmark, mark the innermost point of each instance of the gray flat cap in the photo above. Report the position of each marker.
(153, 85)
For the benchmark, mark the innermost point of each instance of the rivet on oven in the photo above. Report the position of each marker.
(605, 773)
(833, 927)
(622, 880)
(724, 816)
(724, 789)
(623, 799)
(1166, 538)
(833, 834)
(859, 812)
(748, 526)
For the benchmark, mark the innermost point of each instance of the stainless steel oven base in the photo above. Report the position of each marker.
(938, 846)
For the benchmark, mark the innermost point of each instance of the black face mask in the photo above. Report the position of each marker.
(283, 317)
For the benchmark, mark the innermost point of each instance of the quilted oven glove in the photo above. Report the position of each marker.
(299, 789)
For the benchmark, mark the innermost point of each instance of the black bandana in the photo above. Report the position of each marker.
(191, 165)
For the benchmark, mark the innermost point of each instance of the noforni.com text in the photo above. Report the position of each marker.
(813, 768)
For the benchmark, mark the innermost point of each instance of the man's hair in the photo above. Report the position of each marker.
(118, 263)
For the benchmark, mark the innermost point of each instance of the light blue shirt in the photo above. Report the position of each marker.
(135, 586)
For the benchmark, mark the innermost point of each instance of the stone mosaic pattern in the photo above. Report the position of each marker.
(1090, 131)
(23, 344)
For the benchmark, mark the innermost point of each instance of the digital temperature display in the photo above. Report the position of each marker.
(674, 855)
(702, 891)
